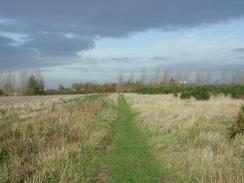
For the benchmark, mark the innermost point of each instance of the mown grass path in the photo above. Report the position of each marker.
(130, 159)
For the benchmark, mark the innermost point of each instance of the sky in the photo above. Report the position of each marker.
(94, 40)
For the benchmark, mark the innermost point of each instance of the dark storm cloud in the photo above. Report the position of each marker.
(12, 56)
(117, 17)
(55, 44)
(90, 19)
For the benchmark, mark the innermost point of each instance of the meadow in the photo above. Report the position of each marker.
(61, 142)
(120, 138)
(190, 137)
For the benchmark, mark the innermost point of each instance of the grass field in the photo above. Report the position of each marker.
(189, 137)
(119, 138)
(61, 143)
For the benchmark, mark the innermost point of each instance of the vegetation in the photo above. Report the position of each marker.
(188, 138)
(25, 85)
(162, 82)
(60, 143)
(238, 125)
(35, 86)
(1, 92)
(201, 93)
(198, 92)
(184, 95)
(130, 159)
(77, 138)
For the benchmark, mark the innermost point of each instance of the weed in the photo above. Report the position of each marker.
(238, 126)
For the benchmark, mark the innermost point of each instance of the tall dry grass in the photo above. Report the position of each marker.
(189, 137)
(62, 143)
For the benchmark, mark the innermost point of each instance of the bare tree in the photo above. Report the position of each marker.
(241, 80)
(131, 77)
(184, 76)
(234, 76)
(166, 76)
(120, 82)
(40, 81)
(143, 77)
(237, 76)
(208, 78)
(178, 76)
(8, 85)
(223, 78)
(23, 82)
(156, 76)
(200, 78)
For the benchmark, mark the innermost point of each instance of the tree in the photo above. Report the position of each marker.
(131, 77)
(61, 88)
(209, 78)
(166, 77)
(143, 77)
(200, 78)
(178, 76)
(235, 76)
(156, 76)
(223, 77)
(41, 87)
(241, 77)
(40, 82)
(33, 88)
(120, 82)
(8, 86)
(23, 82)
(32, 85)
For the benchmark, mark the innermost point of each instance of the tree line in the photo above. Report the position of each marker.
(166, 77)
(24, 83)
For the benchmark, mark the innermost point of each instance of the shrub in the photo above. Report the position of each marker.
(237, 94)
(199, 92)
(201, 95)
(1, 92)
(238, 126)
(185, 95)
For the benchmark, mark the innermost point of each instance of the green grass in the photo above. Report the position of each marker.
(130, 159)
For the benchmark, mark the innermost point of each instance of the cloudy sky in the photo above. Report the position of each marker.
(93, 40)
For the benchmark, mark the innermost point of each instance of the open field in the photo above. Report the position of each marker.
(119, 138)
(62, 143)
(189, 137)
(34, 101)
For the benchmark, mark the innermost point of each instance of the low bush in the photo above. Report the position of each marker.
(237, 93)
(201, 94)
(1, 92)
(238, 126)
(185, 95)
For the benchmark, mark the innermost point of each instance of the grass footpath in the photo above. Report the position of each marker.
(130, 159)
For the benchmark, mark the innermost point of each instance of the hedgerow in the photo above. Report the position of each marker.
(198, 92)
